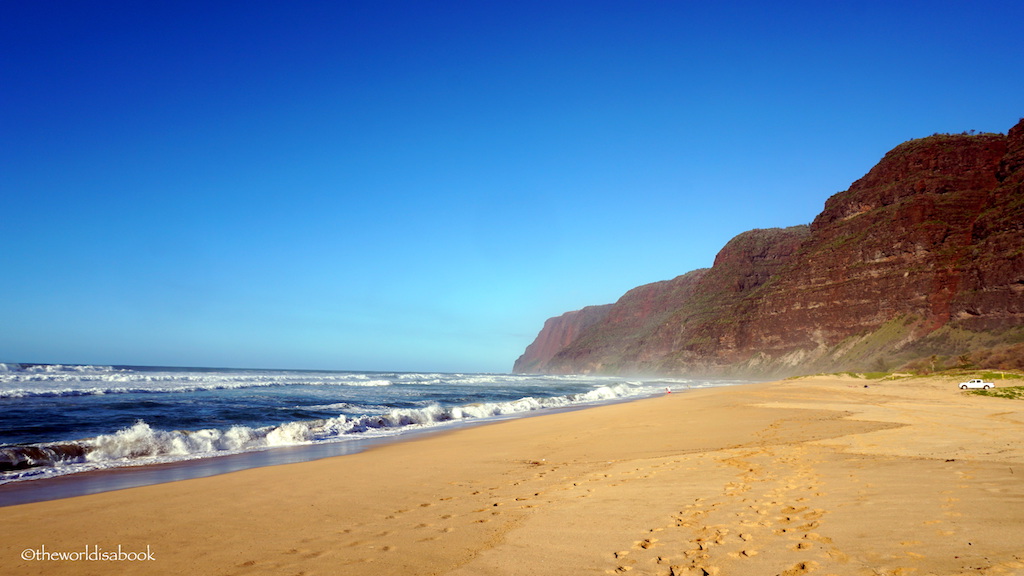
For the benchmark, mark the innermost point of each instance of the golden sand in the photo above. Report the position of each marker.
(816, 475)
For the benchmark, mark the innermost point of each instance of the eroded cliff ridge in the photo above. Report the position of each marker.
(920, 262)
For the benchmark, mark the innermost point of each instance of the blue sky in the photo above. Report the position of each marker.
(419, 185)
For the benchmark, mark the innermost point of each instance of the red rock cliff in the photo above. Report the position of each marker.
(558, 333)
(923, 256)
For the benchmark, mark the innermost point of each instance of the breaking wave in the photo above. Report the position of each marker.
(26, 381)
(142, 444)
(20, 381)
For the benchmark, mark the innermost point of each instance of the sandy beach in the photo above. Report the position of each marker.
(823, 475)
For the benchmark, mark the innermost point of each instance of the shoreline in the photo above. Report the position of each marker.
(818, 475)
(32, 490)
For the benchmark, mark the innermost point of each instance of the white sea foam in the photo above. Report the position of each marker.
(367, 383)
(57, 381)
(338, 406)
(19, 381)
(356, 409)
(142, 444)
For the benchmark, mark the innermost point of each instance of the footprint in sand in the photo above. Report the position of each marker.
(645, 543)
(693, 571)
(748, 553)
(817, 538)
(800, 568)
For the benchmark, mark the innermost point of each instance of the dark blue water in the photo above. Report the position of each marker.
(59, 420)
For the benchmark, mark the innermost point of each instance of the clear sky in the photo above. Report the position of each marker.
(388, 185)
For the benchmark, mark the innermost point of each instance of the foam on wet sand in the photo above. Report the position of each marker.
(818, 475)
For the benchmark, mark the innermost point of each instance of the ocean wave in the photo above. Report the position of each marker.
(62, 380)
(337, 406)
(57, 380)
(23, 384)
(76, 369)
(142, 444)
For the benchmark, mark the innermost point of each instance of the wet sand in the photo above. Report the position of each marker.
(817, 475)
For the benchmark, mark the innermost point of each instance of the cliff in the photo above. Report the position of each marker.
(558, 333)
(921, 260)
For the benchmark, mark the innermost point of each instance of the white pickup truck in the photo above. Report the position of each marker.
(976, 383)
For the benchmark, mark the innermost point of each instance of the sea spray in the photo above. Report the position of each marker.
(65, 419)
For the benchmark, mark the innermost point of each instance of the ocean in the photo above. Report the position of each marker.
(58, 420)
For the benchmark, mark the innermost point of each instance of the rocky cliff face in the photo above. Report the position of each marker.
(922, 257)
(558, 333)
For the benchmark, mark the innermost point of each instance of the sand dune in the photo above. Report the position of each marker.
(818, 476)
